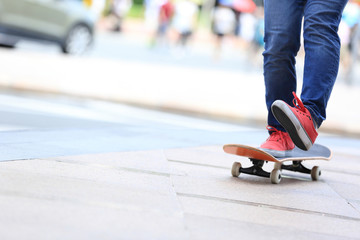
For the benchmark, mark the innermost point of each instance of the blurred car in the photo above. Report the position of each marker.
(68, 23)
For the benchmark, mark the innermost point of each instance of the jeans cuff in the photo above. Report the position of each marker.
(318, 121)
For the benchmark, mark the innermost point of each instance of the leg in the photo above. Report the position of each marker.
(322, 47)
(282, 42)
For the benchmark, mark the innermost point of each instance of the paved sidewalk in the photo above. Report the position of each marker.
(115, 172)
(185, 193)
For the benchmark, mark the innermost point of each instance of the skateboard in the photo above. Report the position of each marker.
(259, 157)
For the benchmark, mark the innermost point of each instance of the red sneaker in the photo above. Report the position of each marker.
(297, 121)
(279, 144)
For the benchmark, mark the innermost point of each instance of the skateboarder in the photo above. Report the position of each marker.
(291, 120)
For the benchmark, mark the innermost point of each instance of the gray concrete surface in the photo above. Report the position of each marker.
(171, 194)
(132, 173)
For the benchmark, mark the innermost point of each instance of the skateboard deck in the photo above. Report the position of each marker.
(258, 157)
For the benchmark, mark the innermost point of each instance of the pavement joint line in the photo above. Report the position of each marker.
(197, 164)
(80, 201)
(279, 228)
(349, 202)
(114, 167)
(264, 205)
(144, 171)
(341, 172)
(21, 159)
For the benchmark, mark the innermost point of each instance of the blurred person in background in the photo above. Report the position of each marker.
(184, 21)
(252, 35)
(349, 35)
(97, 7)
(250, 20)
(165, 16)
(223, 23)
(259, 29)
(292, 121)
(119, 9)
(242, 7)
(247, 22)
(152, 10)
(158, 14)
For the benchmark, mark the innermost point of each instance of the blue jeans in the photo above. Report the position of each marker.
(283, 20)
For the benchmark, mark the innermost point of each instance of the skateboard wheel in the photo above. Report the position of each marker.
(315, 173)
(235, 170)
(275, 176)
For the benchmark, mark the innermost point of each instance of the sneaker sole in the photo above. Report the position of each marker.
(292, 125)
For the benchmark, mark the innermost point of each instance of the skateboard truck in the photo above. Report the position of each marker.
(275, 175)
(296, 166)
(256, 169)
